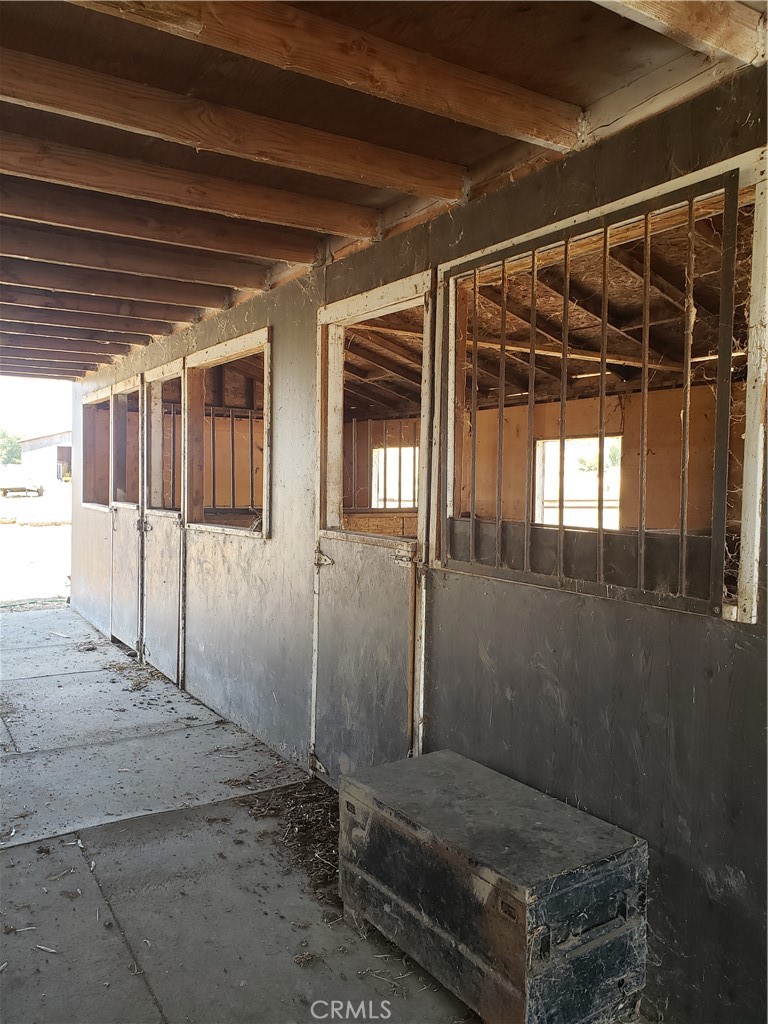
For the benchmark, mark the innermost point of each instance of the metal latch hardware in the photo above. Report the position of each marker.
(143, 526)
(404, 559)
(321, 559)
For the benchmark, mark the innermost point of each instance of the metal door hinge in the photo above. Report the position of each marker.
(321, 559)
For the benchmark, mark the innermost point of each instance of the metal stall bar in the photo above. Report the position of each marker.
(213, 458)
(369, 463)
(232, 459)
(400, 464)
(723, 393)
(531, 413)
(473, 426)
(502, 399)
(385, 431)
(173, 455)
(354, 462)
(563, 403)
(250, 449)
(646, 344)
(685, 431)
(601, 414)
(415, 462)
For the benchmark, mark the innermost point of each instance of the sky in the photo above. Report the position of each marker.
(33, 408)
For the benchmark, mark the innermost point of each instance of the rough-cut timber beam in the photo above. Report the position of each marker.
(32, 355)
(393, 368)
(71, 249)
(71, 333)
(37, 374)
(54, 205)
(717, 28)
(25, 157)
(80, 348)
(92, 304)
(288, 38)
(77, 367)
(120, 286)
(55, 344)
(95, 321)
(63, 89)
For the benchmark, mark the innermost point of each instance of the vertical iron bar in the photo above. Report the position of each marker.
(354, 462)
(369, 462)
(400, 464)
(500, 425)
(601, 416)
(386, 431)
(723, 393)
(646, 342)
(173, 457)
(250, 450)
(415, 466)
(563, 401)
(213, 457)
(529, 463)
(232, 458)
(690, 320)
(473, 425)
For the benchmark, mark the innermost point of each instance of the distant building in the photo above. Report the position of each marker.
(48, 458)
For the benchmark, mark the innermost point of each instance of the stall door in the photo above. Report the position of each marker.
(365, 653)
(162, 576)
(126, 539)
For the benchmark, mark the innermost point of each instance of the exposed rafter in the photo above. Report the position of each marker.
(73, 249)
(63, 89)
(94, 321)
(120, 286)
(60, 164)
(288, 38)
(21, 352)
(44, 203)
(717, 28)
(72, 333)
(86, 348)
(88, 304)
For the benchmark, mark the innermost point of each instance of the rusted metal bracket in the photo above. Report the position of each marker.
(321, 559)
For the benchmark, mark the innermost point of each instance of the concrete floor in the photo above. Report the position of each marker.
(136, 888)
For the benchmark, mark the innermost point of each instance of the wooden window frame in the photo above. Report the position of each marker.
(95, 398)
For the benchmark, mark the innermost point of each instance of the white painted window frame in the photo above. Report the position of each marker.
(215, 355)
(153, 417)
(753, 170)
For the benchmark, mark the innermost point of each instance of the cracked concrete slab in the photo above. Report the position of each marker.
(26, 662)
(52, 626)
(53, 791)
(92, 707)
(217, 920)
(52, 899)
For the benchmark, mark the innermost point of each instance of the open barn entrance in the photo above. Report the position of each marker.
(376, 368)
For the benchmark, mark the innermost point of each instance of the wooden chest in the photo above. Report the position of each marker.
(529, 910)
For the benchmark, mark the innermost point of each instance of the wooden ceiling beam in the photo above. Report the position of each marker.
(48, 364)
(20, 352)
(71, 333)
(716, 28)
(584, 355)
(80, 348)
(25, 157)
(94, 321)
(288, 38)
(116, 286)
(97, 304)
(58, 206)
(71, 249)
(381, 361)
(43, 84)
(37, 374)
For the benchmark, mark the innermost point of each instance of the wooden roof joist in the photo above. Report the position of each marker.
(63, 89)
(58, 206)
(77, 367)
(716, 28)
(93, 304)
(71, 333)
(93, 321)
(118, 286)
(38, 374)
(96, 349)
(20, 352)
(60, 164)
(288, 38)
(97, 253)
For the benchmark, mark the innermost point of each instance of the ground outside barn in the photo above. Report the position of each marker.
(160, 864)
